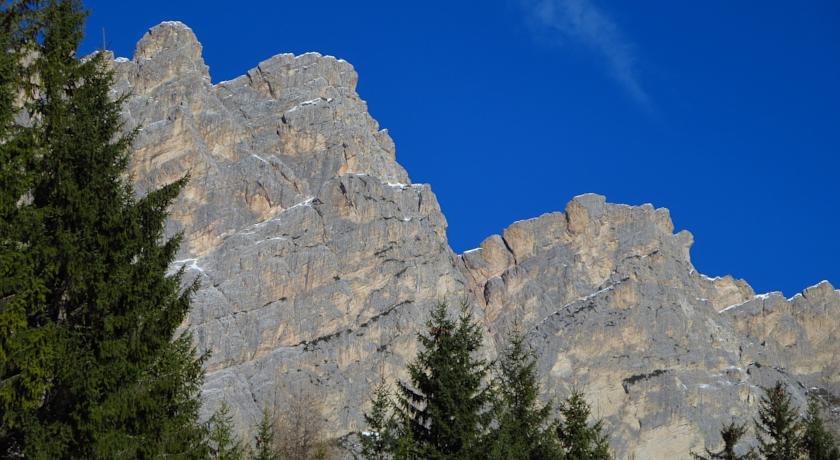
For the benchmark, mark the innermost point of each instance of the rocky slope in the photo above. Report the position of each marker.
(319, 260)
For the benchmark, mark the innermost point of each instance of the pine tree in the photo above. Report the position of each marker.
(264, 443)
(731, 435)
(27, 342)
(778, 425)
(817, 442)
(100, 300)
(579, 439)
(524, 429)
(378, 441)
(405, 446)
(446, 403)
(224, 444)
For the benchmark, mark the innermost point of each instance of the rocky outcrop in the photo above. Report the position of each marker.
(612, 303)
(254, 146)
(319, 260)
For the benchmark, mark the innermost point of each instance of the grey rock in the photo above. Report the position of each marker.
(319, 261)
(254, 146)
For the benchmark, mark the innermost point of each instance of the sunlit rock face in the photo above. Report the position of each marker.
(319, 261)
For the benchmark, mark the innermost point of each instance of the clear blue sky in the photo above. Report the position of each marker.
(727, 113)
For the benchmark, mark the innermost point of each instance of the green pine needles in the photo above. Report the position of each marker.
(525, 428)
(579, 439)
(778, 426)
(460, 406)
(446, 402)
(91, 365)
(265, 446)
(380, 439)
(224, 444)
(817, 441)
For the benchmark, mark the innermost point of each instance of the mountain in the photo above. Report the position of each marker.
(319, 260)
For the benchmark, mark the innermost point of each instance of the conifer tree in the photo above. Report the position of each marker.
(99, 300)
(524, 429)
(378, 441)
(405, 447)
(224, 444)
(579, 439)
(446, 403)
(817, 442)
(778, 425)
(264, 444)
(731, 435)
(27, 342)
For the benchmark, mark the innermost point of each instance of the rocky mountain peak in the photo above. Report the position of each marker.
(170, 50)
(821, 291)
(319, 260)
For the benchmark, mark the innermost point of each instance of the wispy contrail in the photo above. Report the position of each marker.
(583, 21)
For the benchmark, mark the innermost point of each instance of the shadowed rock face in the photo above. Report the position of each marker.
(319, 261)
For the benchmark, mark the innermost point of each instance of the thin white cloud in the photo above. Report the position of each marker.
(584, 22)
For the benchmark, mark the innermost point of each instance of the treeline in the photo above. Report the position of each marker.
(455, 405)
(781, 432)
(91, 361)
(458, 405)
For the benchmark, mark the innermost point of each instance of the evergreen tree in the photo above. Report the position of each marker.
(264, 443)
(579, 439)
(378, 441)
(523, 426)
(778, 425)
(446, 403)
(818, 443)
(405, 447)
(731, 434)
(27, 342)
(224, 444)
(99, 299)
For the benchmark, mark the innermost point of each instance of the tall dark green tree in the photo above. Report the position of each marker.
(817, 442)
(778, 425)
(124, 384)
(446, 403)
(27, 341)
(731, 435)
(523, 429)
(580, 438)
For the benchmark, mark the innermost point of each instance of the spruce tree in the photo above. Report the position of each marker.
(778, 425)
(579, 439)
(524, 429)
(224, 444)
(446, 403)
(406, 448)
(27, 341)
(123, 384)
(378, 441)
(817, 442)
(264, 444)
(731, 435)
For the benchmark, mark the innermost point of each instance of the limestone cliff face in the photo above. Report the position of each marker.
(319, 261)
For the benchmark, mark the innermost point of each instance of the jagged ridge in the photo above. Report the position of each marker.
(319, 260)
